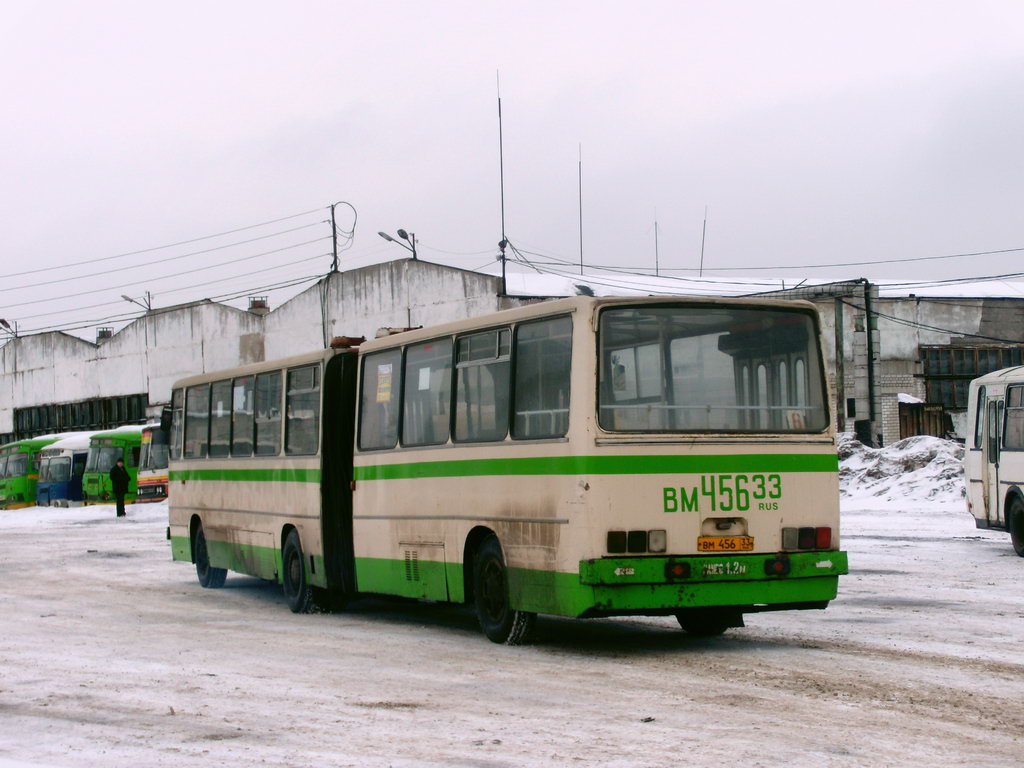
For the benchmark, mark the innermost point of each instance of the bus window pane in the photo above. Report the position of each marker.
(542, 366)
(482, 388)
(177, 422)
(268, 414)
(378, 402)
(302, 427)
(197, 421)
(1013, 436)
(722, 365)
(220, 419)
(428, 389)
(242, 416)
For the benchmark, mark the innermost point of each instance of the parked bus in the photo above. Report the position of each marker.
(151, 480)
(105, 448)
(581, 457)
(61, 466)
(994, 459)
(19, 471)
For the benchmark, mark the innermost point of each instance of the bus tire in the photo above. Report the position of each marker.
(498, 620)
(297, 590)
(708, 622)
(209, 577)
(1016, 526)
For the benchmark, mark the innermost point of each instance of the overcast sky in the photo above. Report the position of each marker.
(813, 132)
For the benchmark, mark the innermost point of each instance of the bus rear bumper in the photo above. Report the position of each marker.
(621, 586)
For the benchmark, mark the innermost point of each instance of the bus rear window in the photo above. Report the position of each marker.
(709, 369)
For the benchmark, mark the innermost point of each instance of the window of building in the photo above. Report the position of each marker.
(948, 370)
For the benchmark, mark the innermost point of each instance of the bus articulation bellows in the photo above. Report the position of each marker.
(581, 457)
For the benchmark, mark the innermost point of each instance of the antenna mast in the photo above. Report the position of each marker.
(580, 174)
(501, 182)
(703, 232)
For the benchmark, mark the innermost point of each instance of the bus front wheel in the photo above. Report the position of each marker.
(209, 577)
(1016, 526)
(498, 620)
(297, 590)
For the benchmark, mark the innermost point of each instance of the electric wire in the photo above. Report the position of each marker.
(160, 247)
(165, 277)
(162, 261)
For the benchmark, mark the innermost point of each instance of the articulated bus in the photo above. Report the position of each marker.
(19, 471)
(151, 480)
(105, 448)
(994, 459)
(582, 457)
(61, 467)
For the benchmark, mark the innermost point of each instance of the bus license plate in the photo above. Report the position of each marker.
(725, 543)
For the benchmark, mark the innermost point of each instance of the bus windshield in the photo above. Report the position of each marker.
(17, 465)
(709, 369)
(103, 457)
(55, 469)
(154, 452)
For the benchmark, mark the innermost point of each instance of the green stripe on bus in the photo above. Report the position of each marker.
(604, 465)
(271, 475)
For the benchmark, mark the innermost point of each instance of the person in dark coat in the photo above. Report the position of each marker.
(119, 480)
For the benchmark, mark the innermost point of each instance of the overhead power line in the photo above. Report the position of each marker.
(66, 265)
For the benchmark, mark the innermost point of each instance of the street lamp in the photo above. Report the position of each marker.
(7, 326)
(410, 237)
(147, 306)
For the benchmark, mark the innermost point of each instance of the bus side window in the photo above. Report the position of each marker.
(979, 418)
(177, 401)
(268, 414)
(1013, 425)
(482, 386)
(378, 400)
(220, 419)
(426, 401)
(242, 412)
(543, 357)
(197, 421)
(133, 459)
(302, 411)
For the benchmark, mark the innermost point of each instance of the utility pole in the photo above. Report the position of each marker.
(334, 240)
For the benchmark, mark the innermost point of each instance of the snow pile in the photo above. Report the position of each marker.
(916, 469)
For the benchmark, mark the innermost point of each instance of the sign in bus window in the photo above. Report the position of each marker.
(243, 416)
(220, 419)
(378, 410)
(542, 367)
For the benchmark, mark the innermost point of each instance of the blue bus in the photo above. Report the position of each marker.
(61, 466)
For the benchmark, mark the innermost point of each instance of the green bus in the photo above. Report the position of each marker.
(19, 471)
(105, 448)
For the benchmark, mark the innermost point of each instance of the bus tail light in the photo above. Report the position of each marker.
(807, 538)
(616, 542)
(636, 542)
(657, 541)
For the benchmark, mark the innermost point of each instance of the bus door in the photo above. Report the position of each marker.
(990, 460)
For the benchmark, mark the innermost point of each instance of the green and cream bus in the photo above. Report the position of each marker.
(994, 455)
(581, 457)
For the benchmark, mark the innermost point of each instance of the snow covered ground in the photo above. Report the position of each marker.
(111, 655)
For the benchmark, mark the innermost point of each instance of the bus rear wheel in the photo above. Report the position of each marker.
(498, 620)
(1016, 526)
(209, 577)
(297, 590)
